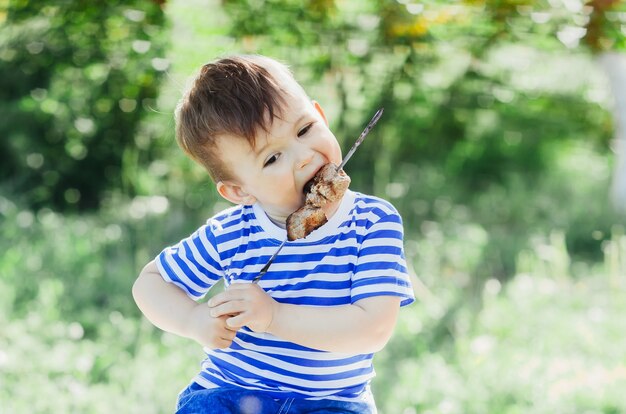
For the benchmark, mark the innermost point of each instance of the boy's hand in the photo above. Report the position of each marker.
(209, 331)
(250, 304)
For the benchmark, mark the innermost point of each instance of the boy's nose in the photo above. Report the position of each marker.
(305, 159)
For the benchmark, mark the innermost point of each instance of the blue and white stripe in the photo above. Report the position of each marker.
(358, 254)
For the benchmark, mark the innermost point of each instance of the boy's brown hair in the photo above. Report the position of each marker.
(232, 96)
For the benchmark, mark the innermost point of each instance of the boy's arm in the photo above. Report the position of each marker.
(170, 309)
(363, 327)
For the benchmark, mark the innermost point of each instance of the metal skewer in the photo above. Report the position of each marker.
(356, 144)
(361, 137)
(269, 262)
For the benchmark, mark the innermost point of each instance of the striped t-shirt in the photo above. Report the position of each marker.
(356, 255)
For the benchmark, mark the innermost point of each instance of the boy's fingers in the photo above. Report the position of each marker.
(224, 343)
(236, 291)
(239, 286)
(231, 329)
(227, 308)
(215, 300)
(236, 321)
(221, 298)
(229, 333)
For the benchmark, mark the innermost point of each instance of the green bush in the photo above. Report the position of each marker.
(75, 81)
(516, 257)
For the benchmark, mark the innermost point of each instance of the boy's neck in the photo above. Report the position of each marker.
(331, 208)
(279, 222)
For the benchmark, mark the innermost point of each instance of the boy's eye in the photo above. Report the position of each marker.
(271, 160)
(305, 130)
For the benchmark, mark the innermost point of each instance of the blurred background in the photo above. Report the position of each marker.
(500, 146)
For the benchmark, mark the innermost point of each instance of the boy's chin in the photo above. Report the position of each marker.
(302, 201)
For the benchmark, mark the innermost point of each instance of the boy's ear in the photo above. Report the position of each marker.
(234, 193)
(319, 109)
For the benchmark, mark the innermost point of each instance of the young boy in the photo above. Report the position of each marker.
(303, 338)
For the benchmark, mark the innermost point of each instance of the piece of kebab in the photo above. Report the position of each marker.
(328, 185)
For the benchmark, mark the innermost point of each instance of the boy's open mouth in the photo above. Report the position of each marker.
(309, 184)
(307, 187)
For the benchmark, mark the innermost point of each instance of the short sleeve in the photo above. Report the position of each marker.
(381, 265)
(193, 264)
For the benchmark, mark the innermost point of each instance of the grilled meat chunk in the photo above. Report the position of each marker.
(304, 220)
(327, 186)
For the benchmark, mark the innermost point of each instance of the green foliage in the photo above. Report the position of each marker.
(544, 342)
(538, 345)
(75, 81)
(493, 146)
(73, 340)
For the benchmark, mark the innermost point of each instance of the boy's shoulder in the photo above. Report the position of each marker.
(374, 204)
(231, 216)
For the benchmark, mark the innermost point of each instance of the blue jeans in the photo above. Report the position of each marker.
(196, 399)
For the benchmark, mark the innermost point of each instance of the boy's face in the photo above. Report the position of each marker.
(274, 173)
